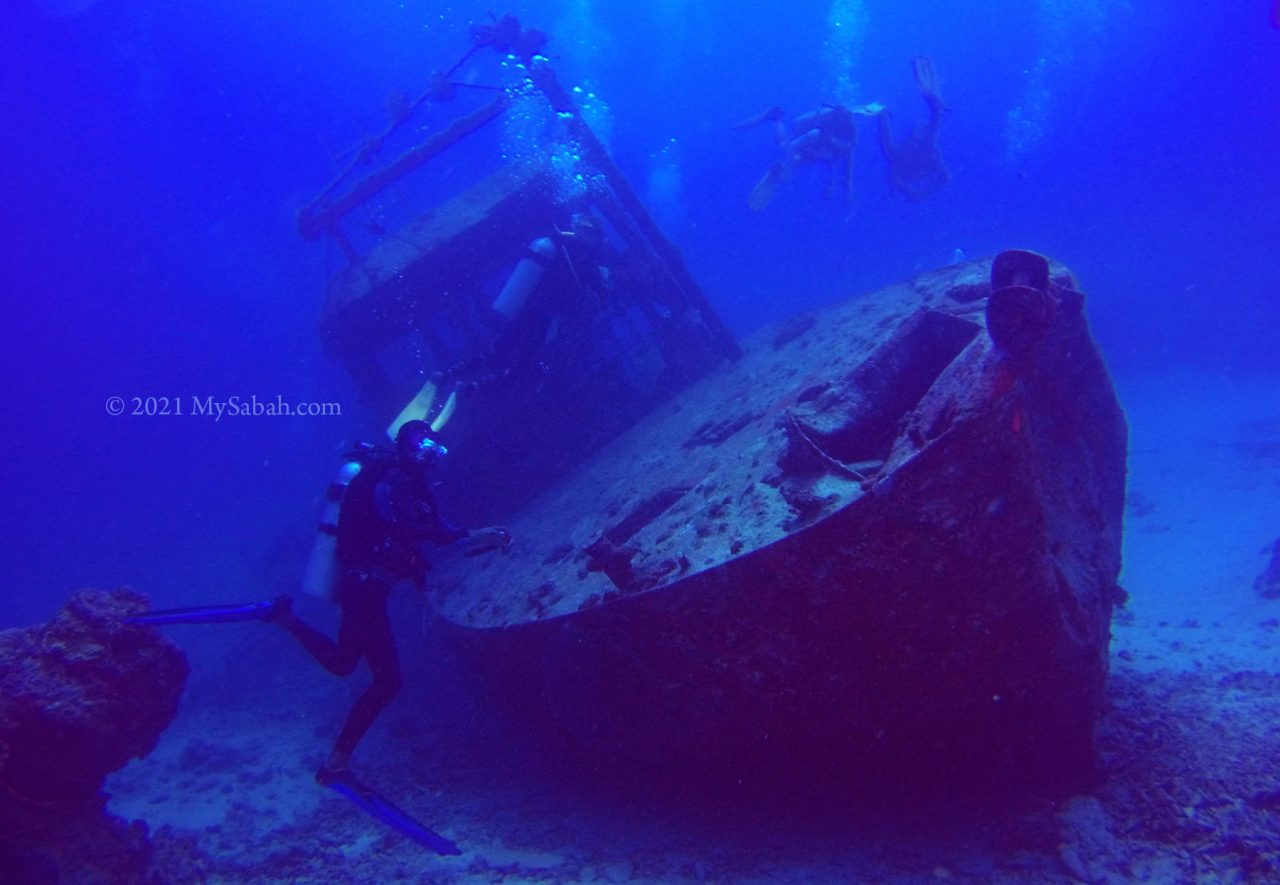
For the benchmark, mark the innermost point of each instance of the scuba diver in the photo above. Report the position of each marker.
(387, 512)
(827, 135)
(380, 510)
(508, 37)
(552, 294)
(915, 168)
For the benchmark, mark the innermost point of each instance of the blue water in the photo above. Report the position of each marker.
(155, 155)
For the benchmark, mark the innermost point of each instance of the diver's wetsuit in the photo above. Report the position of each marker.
(386, 513)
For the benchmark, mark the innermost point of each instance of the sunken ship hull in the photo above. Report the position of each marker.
(886, 539)
(885, 534)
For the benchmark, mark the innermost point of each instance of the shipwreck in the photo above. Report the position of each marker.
(884, 536)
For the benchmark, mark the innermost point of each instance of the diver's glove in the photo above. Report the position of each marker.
(484, 540)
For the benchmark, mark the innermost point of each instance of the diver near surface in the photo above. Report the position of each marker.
(826, 135)
(553, 293)
(915, 168)
(380, 510)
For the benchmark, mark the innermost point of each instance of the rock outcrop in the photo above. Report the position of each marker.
(79, 697)
(1267, 584)
(886, 540)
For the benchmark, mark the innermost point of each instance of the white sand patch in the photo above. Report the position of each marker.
(1208, 500)
(209, 769)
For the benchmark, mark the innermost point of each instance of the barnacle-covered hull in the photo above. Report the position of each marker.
(880, 540)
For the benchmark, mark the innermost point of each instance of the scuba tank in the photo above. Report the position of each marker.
(321, 575)
(528, 272)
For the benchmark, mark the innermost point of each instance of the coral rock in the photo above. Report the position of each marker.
(79, 697)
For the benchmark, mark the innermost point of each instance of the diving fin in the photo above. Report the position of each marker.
(762, 193)
(446, 412)
(773, 114)
(417, 408)
(927, 80)
(210, 614)
(390, 814)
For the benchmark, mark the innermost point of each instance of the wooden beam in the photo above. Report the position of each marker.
(316, 218)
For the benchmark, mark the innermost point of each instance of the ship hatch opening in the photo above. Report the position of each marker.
(857, 420)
